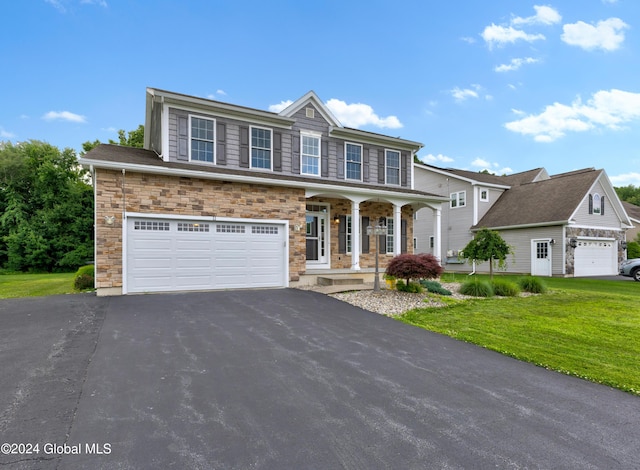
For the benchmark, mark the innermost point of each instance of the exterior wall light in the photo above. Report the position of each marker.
(109, 219)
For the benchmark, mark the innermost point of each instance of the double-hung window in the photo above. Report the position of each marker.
(353, 161)
(392, 166)
(390, 234)
(261, 148)
(459, 199)
(202, 139)
(310, 154)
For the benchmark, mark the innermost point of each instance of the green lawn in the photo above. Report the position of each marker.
(33, 285)
(582, 327)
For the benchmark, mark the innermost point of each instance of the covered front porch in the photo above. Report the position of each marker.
(337, 243)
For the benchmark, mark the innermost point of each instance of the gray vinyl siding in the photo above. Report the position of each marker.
(483, 206)
(520, 241)
(609, 219)
(332, 150)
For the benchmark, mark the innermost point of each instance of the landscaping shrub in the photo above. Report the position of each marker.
(412, 287)
(476, 288)
(532, 284)
(434, 287)
(633, 250)
(84, 278)
(408, 266)
(505, 288)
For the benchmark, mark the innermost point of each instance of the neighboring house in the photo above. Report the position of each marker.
(224, 196)
(571, 224)
(634, 214)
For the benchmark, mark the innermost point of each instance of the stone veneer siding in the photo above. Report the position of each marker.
(572, 232)
(144, 193)
(373, 210)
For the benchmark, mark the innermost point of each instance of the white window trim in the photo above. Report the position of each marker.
(457, 195)
(386, 167)
(597, 208)
(251, 128)
(315, 135)
(485, 199)
(189, 125)
(390, 235)
(345, 160)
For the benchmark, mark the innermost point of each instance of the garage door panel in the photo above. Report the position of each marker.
(172, 255)
(595, 258)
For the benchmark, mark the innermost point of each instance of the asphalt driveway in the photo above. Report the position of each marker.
(284, 379)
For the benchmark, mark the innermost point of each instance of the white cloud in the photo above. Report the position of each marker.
(221, 92)
(359, 114)
(480, 163)
(6, 134)
(607, 109)
(518, 112)
(609, 2)
(57, 4)
(495, 35)
(64, 116)
(626, 179)
(436, 158)
(276, 108)
(101, 3)
(462, 95)
(545, 15)
(468, 40)
(607, 35)
(505, 171)
(515, 64)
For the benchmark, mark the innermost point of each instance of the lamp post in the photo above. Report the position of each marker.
(376, 231)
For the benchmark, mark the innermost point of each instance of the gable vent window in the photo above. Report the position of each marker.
(311, 113)
(596, 204)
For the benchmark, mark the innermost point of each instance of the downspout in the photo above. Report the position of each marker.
(474, 269)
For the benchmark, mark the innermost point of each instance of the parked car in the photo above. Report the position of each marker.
(631, 268)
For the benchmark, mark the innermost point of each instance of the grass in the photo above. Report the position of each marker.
(582, 327)
(34, 285)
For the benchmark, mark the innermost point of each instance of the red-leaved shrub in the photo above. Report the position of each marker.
(407, 266)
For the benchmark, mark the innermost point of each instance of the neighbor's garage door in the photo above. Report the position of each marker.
(596, 258)
(177, 255)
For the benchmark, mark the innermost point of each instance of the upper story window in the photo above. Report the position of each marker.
(459, 199)
(353, 161)
(392, 166)
(484, 195)
(310, 154)
(596, 204)
(202, 139)
(261, 150)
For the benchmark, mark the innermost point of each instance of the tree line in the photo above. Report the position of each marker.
(46, 205)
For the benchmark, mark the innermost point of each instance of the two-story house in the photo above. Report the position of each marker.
(225, 196)
(570, 224)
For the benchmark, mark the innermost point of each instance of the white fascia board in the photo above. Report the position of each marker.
(318, 188)
(472, 182)
(524, 226)
(206, 106)
(374, 139)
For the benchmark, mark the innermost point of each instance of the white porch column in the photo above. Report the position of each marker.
(437, 234)
(355, 235)
(397, 230)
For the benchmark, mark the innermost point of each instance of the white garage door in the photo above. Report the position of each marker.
(180, 255)
(596, 258)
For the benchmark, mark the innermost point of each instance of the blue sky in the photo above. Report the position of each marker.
(504, 85)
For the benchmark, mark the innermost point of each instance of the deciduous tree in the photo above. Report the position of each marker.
(488, 245)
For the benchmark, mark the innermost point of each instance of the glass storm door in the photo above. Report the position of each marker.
(316, 238)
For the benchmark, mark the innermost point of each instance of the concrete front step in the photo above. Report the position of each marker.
(339, 281)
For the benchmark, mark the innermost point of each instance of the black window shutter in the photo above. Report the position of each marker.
(382, 239)
(403, 241)
(365, 165)
(342, 234)
(363, 235)
(590, 204)
(295, 163)
(602, 205)
(183, 137)
(324, 159)
(381, 175)
(244, 146)
(405, 168)
(277, 151)
(221, 143)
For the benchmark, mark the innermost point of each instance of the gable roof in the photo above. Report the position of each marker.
(311, 97)
(549, 201)
(475, 177)
(632, 211)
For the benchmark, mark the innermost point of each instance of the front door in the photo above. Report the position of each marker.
(317, 236)
(540, 258)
